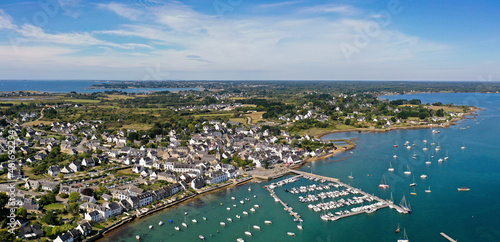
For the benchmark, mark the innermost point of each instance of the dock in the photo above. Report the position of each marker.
(447, 237)
(381, 203)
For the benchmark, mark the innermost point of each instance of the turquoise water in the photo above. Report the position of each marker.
(69, 86)
(465, 216)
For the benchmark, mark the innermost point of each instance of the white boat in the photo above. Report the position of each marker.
(395, 156)
(351, 177)
(150, 226)
(436, 131)
(256, 205)
(408, 147)
(138, 237)
(290, 233)
(414, 183)
(428, 190)
(204, 218)
(177, 228)
(383, 183)
(423, 176)
(256, 227)
(405, 237)
(252, 209)
(268, 222)
(234, 205)
(160, 223)
(228, 208)
(299, 226)
(230, 219)
(184, 224)
(440, 160)
(240, 240)
(428, 162)
(245, 212)
(249, 189)
(425, 141)
(194, 221)
(248, 233)
(222, 224)
(463, 147)
(242, 202)
(407, 172)
(238, 216)
(424, 149)
(391, 169)
(232, 198)
(201, 237)
(446, 157)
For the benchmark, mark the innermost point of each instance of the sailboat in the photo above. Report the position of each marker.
(383, 183)
(413, 184)
(248, 231)
(351, 177)
(446, 157)
(413, 193)
(405, 237)
(299, 226)
(428, 190)
(463, 147)
(407, 172)
(395, 145)
(398, 229)
(405, 206)
(390, 167)
(249, 189)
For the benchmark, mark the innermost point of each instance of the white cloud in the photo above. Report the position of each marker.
(331, 8)
(6, 21)
(71, 7)
(279, 4)
(122, 10)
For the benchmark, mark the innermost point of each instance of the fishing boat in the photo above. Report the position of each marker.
(222, 224)
(194, 221)
(290, 233)
(428, 190)
(256, 227)
(160, 223)
(407, 172)
(177, 228)
(351, 177)
(383, 183)
(391, 169)
(268, 222)
(398, 229)
(150, 226)
(184, 224)
(201, 237)
(463, 189)
(405, 237)
(414, 183)
(423, 176)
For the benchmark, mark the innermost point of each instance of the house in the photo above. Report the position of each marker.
(86, 198)
(66, 170)
(30, 232)
(197, 183)
(48, 185)
(32, 184)
(15, 175)
(216, 177)
(93, 216)
(88, 162)
(54, 170)
(66, 237)
(31, 204)
(74, 166)
(106, 197)
(85, 228)
(145, 198)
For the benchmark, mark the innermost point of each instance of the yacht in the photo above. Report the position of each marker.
(184, 224)
(407, 172)
(414, 193)
(230, 219)
(446, 157)
(256, 227)
(252, 209)
(428, 162)
(256, 205)
(138, 237)
(424, 149)
(408, 147)
(177, 228)
(391, 169)
(299, 226)
(228, 208)
(440, 160)
(413, 184)
(290, 233)
(222, 224)
(423, 176)
(405, 237)
(204, 218)
(248, 233)
(268, 222)
(238, 216)
(395, 156)
(463, 147)
(160, 223)
(463, 189)
(428, 190)
(201, 237)
(383, 183)
(194, 221)
(240, 240)
(242, 202)
(232, 198)
(351, 177)
(245, 212)
(150, 226)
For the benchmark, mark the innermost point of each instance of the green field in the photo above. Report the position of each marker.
(54, 206)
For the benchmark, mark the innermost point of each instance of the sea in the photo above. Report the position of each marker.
(463, 215)
(71, 86)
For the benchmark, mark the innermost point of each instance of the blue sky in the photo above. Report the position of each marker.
(250, 40)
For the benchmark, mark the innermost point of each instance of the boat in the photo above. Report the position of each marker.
(268, 222)
(414, 183)
(434, 131)
(249, 189)
(290, 233)
(230, 219)
(408, 147)
(390, 167)
(170, 221)
(194, 221)
(238, 216)
(160, 223)
(228, 208)
(407, 172)
(245, 212)
(351, 177)
(398, 229)
(395, 145)
(184, 224)
(463, 189)
(440, 160)
(150, 226)
(428, 162)
(413, 193)
(252, 209)
(425, 148)
(204, 218)
(240, 240)
(423, 176)
(383, 183)
(425, 141)
(242, 202)
(405, 237)
(299, 226)
(256, 205)
(404, 205)
(138, 237)
(428, 190)
(463, 147)
(232, 198)
(201, 237)
(256, 227)
(222, 224)
(446, 157)
(248, 233)
(177, 228)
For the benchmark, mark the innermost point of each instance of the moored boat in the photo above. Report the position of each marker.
(184, 224)
(268, 222)
(290, 233)
(160, 223)
(383, 183)
(222, 224)
(463, 189)
(177, 228)
(256, 227)
(150, 226)
(201, 237)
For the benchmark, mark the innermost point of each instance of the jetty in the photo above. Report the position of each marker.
(380, 203)
(447, 237)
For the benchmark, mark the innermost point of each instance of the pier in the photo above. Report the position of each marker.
(447, 237)
(381, 203)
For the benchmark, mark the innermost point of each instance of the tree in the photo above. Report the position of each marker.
(4, 199)
(50, 218)
(74, 197)
(22, 212)
(60, 175)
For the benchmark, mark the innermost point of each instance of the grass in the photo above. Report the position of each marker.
(447, 109)
(137, 126)
(241, 120)
(54, 206)
(126, 172)
(256, 117)
(39, 122)
(318, 131)
(213, 114)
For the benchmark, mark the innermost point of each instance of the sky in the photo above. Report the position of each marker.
(250, 40)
